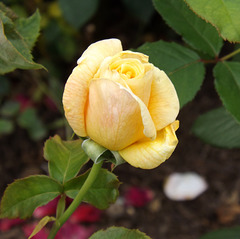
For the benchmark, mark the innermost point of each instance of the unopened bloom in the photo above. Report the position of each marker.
(124, 103)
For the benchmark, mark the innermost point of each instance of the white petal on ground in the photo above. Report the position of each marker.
(184, 186)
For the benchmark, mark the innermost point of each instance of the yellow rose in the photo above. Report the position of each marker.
(124, 103)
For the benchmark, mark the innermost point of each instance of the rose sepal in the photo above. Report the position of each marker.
(98, 153)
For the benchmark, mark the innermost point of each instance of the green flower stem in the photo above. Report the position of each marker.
(230, 55)
(61, 206)
(88, 183)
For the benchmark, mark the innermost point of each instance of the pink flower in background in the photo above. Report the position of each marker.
(6, 224)
(70, 230)
(28, 229)
(46, 210)
(86, 213)
(138, 197)
(74, 231)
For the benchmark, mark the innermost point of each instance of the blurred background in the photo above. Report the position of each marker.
(30, 105)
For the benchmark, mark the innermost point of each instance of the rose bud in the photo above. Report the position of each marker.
(124, 103)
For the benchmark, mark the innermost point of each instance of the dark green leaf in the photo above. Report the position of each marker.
(29, 28)
(6, 126)
(224, 15)
(119, 233)
(195, 31)
(227, 82)
(23, 196)
(219, 128)
(103, 192)
(143, 9)
(30, 121)
(65, 158)
(182, 65)
(10, 108)
(78, 12)
(226, 233)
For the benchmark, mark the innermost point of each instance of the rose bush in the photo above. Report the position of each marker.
(124, 103)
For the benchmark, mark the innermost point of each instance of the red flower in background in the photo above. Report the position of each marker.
(74, 231)
(138, 197)
(6, 224)
(46, 210)
(85, 213)
(28, 229)
(68, 231)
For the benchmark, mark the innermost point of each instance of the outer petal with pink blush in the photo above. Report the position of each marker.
(148, 154)
(115, 117)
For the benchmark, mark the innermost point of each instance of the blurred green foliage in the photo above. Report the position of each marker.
(17, 36)
(68, 27)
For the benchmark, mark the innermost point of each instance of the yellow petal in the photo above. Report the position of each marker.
(148, 124)
(75, 98)
(163, 104)
(130, 69)
(142, 87)
(113, 116)
(134, 55)
(149, 154)
(94, 55)
(76, 89)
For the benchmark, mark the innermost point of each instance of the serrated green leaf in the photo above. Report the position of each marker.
(227, 83)
(23, 196)
(65, 158)
(196, 32)
(29, 28)
(119, 233)
(30, 121)
(42, 223)
(103, 192)
(10, 108)
(217, 127)
(6, 126)
(182, 65)
(225, 233)
(14, 50)
(224, 15)
(78, 12)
